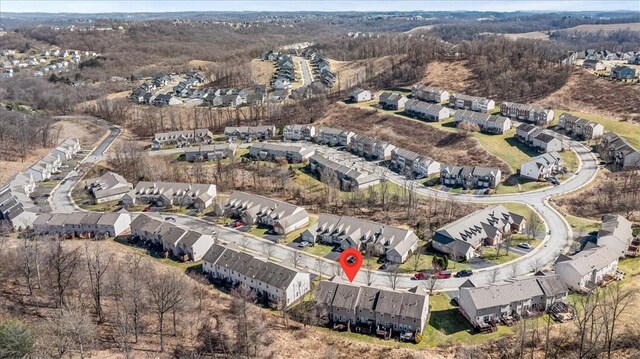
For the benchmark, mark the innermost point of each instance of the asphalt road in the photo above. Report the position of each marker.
(557, 241)
(307, 77)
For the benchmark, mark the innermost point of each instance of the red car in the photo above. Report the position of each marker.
(146, 209)
(420, 276)
(238, 224)
(443, 274)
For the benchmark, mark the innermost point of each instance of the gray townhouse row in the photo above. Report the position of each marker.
(51, 163)
(293, 153)
(618, 151)
(463, 238)
(210, 152)
(348, 178)
(540, 139)
(396, 244)
(16, 207)
(426, 111)
(542, 167)
(470, 177)
(82, 224)
(522, 112)
(181, 138)
(108, 187)
(580, 128)
(163, 194)
(321, 66)
(487, 123)
(250, 133)
(373, 308)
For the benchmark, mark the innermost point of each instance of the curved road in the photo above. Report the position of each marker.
(556, 242)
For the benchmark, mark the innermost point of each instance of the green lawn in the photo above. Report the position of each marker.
(519, 208)
(587, 224)
(630, 266)
(516, 184)
(258, 231)
(295, 234)
(570, 160)
(424, 262)
(490, 255)
(627, 130)
(307, 181)
(319, 250)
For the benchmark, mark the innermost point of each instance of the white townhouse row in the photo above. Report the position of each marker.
(16, 206)
(163, 194)
(51, 163)
(299, 132)
(82, 224)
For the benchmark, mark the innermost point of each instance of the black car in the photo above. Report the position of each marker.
(463, 273)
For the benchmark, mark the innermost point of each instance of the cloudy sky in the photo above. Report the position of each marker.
(97, 6)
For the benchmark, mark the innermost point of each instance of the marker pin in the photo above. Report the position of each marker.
(351, 261)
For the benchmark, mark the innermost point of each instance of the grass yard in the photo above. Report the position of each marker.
(627, 130)
(630, 266)
(570, 160)
(295, 234)
(424, 262)
(258, 231)
(490, 255)
(319, 250)
(587, 225)
(516, 184)
(307, 181)
(507, 148)
(520, 208)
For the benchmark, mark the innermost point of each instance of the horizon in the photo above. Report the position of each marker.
(288, 6)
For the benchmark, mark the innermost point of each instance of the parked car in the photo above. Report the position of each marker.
(238, 224)
(464, 273)
(443, 274)
(170, 219)
(524, 245)
(383, 266)
(303, 244)
(146, 209)
(420, 276)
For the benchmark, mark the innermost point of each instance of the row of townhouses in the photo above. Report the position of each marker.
(360, 95)
(285, 73)
(176, 241)
(469, 177)
(579, 127)
(426, 111)
(369, 147)
(250, 133)
(413, 164)
(462, 238)
(598, 262)
(210, 152)
(108, 187)
(617, 151)
(542, 140)
(293, 153)
(473, 103)
(321, 66)
(162, 194)
(50, 164)
(299, 132)
(528, 113)
(181, 138)
(485, 306)
(542, 167)
(16, 207)
(334, 136)
(253, 209)
(348, 178)
(392, 101)
(378, 239)
(429, 94)
(82, 224)
(487, 123)
(271, 282)
(373, 308)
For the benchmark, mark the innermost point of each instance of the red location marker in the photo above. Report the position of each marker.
(351, 261)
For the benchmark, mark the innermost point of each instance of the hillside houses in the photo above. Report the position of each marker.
(348, 178)
(392, 101)
(370, 148)
(487, 123)
(181, 138)
(542, 140)
(334, 136)
(426, 111)
(588, 268)
(473, 103)
(43, 169)
(623, 73)
(165, 100)
(618, 152)
(82, 224)
(16, 206)
(469, 177)
(321, 66)
(532, 114)
(293, 153)
(176, 241)
(580, 128)
(299, 132)
(462, 238)
(593, 64)
(252, 209)
(285, 73)
(271, 282)
(373, 308)
(616, 233)
(108, 187)
(378, 239)
(413, 164)
(163, 194)
(493, 303)
(360, 95)
(542, 167)
(429, 94)
(250, 133)
(210, 152)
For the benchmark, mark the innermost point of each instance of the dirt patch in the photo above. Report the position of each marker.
(633, 26)
(588, 93)
(454, 76)
(262, 71)
(445, 147)
(351, 73)
(201, 64)
(535, 35)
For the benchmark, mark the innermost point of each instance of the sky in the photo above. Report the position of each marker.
(100, 6)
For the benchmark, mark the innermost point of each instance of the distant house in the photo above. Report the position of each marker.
(108, 187)
(579, 127)
(487, 123)
(199, 196)
(473, 103)
(281, 84)
(166, 100)
(410, 163)
(373, 308)
(271, 282)
(392, 101)
(250, 133)
(542, 167)
(487, 227)
(334, 137)
(489, 304)
(293, 153)
(349, 179)
(375, 238)
(623, 73)
(588, 268)
(299, 132)
(593, 65)
(470, 177)
(181, 138)
(617, 151)
(210, 152)
(430, 94)
(370, 148)
(360, 95)
(253, 209)
(616, 233)
(528, 113)
(426, 111)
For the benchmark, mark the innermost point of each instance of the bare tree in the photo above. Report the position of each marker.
(393, 276)
(514, 270)
(586, 312)
(615, 301)
(321, 267)
(61, 265)
(534, 226)
(71, 327)
(430, 284)
(494, 275)
(27, 265)
(97, 265)
(244, 242)
(295, 257)
(415, 259)
(536, 265)
(268, 249)
(166, 290)
(251, 328)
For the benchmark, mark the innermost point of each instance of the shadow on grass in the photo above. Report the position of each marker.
(450, 321)
(513, 142)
